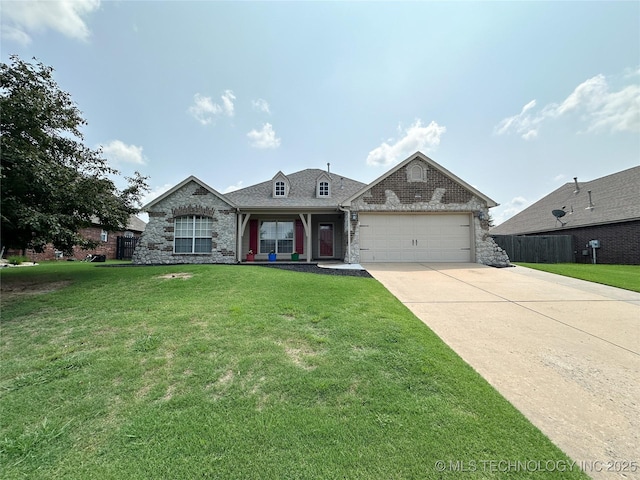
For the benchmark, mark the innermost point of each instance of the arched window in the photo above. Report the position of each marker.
(192, 234)
(416, 173)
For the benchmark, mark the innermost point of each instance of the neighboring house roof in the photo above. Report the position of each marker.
(419, 155)
(301, 193)
(614, 198)
(134, 223)
(182, 184)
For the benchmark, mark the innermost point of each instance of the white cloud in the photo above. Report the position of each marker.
(22, 18)
(233, 188)
(227, 102)
(261, 105)
(601, 109)
(559, 178)
(119, 152)
(15, 35)
(205, 110)
(620, 113)
(415, 138)
(508, 210)
(264, 138)
(522, 123)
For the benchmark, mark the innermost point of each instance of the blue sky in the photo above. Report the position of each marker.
(516, 98)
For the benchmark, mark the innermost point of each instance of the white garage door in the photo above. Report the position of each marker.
(415, 238)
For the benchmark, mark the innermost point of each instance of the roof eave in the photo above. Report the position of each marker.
(182, 184)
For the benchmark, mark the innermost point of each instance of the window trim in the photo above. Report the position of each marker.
(416, 172)
(321, 192)
(193, 236)
(276, 239)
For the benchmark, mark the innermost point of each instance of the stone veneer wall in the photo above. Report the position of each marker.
(156, 244)
(404, 191)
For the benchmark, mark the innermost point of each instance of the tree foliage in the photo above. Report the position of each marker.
(52, 185)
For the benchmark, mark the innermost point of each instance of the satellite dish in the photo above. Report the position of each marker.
(559, 214)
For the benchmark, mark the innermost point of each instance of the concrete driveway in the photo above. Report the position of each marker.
(565, 352)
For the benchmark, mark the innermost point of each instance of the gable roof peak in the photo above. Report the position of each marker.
(280, 175)
(324, 174)
(177, 187)
(418, 155)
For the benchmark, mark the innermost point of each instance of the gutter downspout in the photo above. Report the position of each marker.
(348, 212)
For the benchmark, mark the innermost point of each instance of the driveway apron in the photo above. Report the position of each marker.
(565, 352)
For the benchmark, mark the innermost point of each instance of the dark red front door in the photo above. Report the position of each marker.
(326, 239)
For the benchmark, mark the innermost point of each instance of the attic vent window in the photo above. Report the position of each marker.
(279, 189)
(323, 189)
(416, 173)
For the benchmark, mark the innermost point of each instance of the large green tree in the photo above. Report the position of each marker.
(52, 184)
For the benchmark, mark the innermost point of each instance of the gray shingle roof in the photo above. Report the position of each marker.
(302, 193)
(615, 198)
(136, 224)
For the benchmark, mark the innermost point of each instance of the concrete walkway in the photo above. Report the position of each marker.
(565, 352)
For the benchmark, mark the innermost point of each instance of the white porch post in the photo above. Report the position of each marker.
(242, 223)
(306, 223)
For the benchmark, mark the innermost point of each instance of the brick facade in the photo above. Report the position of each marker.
(108, 248)
(619, 242)
(433, 186)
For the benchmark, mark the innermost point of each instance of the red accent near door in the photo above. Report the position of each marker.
(253, 235)
(299, 237)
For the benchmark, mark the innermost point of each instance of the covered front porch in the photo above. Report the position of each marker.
(294, 236)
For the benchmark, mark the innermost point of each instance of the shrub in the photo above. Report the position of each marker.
(17, 259)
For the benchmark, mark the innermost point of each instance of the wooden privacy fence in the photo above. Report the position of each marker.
(538, 248)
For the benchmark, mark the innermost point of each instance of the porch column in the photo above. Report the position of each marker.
(242, 223)
(306, 223)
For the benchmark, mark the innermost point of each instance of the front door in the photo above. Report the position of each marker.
(326, 239)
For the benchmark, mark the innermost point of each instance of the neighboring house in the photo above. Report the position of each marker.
(108, 243)
(416, 212)
(606, 209)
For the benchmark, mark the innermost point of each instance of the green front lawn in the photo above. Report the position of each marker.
(621, 276)
(240, 372)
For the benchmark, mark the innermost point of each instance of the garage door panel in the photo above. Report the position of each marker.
(415, 238)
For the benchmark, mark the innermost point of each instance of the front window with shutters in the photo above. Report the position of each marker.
(276, 237)
(192, 234)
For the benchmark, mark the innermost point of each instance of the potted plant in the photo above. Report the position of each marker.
(251, 256)
(295, 256)
(272, 256)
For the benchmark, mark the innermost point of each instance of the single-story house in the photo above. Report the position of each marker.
(113, 245)
(416, 212)
(601, 214)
